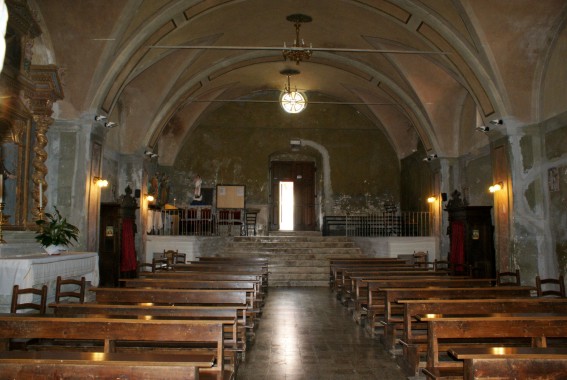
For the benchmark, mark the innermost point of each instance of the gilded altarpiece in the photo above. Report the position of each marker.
(27, 94)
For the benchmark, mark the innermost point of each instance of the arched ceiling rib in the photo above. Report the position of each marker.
(427, 90)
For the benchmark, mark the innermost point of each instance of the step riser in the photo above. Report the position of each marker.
(294, 260)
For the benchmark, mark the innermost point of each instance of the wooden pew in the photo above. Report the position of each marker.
(414, 339)
(111, 331)
(211, 276)
(221, 267)
(482, 363)
(335, 264)
(464, 329)
(336, 270)
(173, 296)
(252, 287)
(345, 277)
(192, 284)
(226, 268)
(57, 365)
(382, 311)
(259, 260)
(360, 296)
(359, 284)
(236, 340)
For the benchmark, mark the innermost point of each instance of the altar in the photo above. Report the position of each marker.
(34, 270)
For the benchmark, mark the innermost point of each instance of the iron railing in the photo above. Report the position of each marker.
(405, 223)
(197, 221)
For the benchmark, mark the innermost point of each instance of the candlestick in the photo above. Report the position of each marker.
(2, 204)
(40, 215)
(1, 188)
(40, 194)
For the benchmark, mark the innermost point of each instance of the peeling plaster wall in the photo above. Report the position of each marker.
(233, 145)
(540, 197)
(67, 177)
(556, 154)
(417, 182)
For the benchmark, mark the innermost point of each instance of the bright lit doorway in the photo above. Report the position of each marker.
(286, 206)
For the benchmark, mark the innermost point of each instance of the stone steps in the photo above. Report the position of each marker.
(300, 259)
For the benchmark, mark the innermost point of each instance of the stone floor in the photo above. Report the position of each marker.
(305, 333)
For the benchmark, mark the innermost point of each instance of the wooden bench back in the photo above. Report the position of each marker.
(172, 296)
(478, 306)
(393, 295)
(188, 284)
(537, 328)
(112, 330)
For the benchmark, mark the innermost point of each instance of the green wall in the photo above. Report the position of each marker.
(233, 145)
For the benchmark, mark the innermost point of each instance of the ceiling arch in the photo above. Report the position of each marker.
(143, 87)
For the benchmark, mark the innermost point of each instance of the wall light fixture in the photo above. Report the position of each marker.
(100, 182)
(496, 187)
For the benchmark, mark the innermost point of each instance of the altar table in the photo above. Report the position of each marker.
(35, 270)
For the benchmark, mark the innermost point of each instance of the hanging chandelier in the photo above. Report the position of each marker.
(291, 101)
(298, 51)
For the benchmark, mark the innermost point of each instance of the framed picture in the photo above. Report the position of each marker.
(230, 196)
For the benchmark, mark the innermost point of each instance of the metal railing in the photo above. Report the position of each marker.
(405, 223)
(197, 221)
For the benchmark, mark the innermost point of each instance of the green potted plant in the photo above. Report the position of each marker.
(56, 233)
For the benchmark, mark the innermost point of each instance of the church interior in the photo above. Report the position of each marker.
(398, 126)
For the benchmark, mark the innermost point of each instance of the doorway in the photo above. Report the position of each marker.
(286, 206)
(293, 196)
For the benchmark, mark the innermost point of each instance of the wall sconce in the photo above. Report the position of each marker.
(100, 182)
(430, 157)
(150, 198)
(496, 187)
(431, 199)
(149, 153)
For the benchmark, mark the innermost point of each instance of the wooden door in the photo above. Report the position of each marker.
(302, 174)
(109, 251)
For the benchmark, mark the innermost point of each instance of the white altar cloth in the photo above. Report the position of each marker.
(34, 270)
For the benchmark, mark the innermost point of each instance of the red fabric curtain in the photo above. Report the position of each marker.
(128, 258)
(457, 245)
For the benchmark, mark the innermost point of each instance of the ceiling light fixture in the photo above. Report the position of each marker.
(291, 101)
(298, 51)
(497, 122)
(100, 118)
(483, 128)
(110, 124)
(150, 154)
(430, 157)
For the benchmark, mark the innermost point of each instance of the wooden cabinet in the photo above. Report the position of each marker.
(109, 250)
(472, 239)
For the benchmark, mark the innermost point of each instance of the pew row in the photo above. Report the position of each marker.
(234, 334)
(512, 362)
(469, 330)
(359, 302)
(26, 365)
(112, 331)
(382, 313)
(414, 339)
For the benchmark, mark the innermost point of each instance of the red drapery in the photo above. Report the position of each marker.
(457, 245)
(128, 258)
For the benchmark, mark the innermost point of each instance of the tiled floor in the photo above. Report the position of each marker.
(305, 333)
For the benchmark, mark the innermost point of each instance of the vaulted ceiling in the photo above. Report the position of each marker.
(443, 66)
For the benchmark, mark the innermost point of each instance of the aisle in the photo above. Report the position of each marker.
(305, 333)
